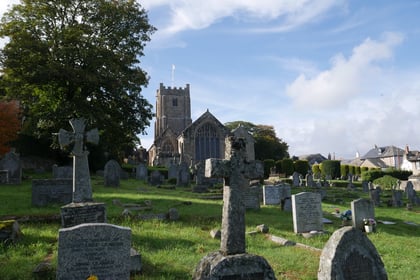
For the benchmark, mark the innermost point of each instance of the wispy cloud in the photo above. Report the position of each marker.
(193, 15)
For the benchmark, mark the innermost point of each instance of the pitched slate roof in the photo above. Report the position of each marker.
(382, 152)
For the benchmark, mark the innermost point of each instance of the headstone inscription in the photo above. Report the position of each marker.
(112, 174)
(97, 249)
(350, 255)
(82, 209)
(232, 262)
(361, 209)
(12, 168)
(307, 212)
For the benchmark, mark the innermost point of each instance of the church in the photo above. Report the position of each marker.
(179, 140)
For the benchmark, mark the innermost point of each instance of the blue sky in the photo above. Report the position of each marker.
(331, 76)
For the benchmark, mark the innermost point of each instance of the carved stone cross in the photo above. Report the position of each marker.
(236, 171)
(82, 189)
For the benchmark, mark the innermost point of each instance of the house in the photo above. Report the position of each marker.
(383, 157)
(411, 161)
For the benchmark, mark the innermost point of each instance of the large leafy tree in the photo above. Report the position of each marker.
(9, 124)
(267, 144)
(78, 58)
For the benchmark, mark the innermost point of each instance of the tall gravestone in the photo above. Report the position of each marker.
(232, 262)
(271, 195)
(361, 209)
(82, 209)
(350, 255)
(97, 249)
(141, 171)
(12, 168)
(307, 212)
(112, 174)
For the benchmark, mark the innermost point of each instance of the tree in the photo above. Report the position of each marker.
(287, 166)
(267, 144)
(9, 124)
(331, 168)
(301, 166)
(78, 58)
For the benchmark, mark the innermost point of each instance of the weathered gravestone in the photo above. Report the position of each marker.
(350, 255)
(156, 178)
(296, 179)
(361, 209)
(375, 196)
(307, 212)
(271, 195)
(172, 171)
(141, 171)
(52, 191)
(309, 178)
(112, 174)
(11, 168)
(183, 176)
(232, 262)
(97, 249)
(82, 209)
(365, 186)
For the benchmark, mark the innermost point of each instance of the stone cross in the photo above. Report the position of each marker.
(236, 171)
(82, 189)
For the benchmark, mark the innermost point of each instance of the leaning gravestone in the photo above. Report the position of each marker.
(307, 212)
(232, 262)
(12, 167)
(82, 209)
(112, 174)
(94, 250)
(350, 255)
(361, 209)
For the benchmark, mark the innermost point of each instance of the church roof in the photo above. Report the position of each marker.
(205, 117)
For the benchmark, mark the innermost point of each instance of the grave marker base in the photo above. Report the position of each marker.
(74, 214)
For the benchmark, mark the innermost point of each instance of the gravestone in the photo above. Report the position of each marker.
(307, 212)
(309, 180)
(62, 172)
(11, 163)
(361, 209)
(172, 171)
(251, 197)
(375, 196)
(232, 262)
(82, 208)
(97, 249)
(271, 195)
(156, 178)
(112, 174)
(350, 255)
(51, 191)
(411, 194)
(141, 172)
(183, 178)
(397, 196)
(365, 186)
(296, 179)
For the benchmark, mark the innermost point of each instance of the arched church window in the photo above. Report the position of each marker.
(207, 142)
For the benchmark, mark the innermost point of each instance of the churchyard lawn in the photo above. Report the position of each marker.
(172, 249)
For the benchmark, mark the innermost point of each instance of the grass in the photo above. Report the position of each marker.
(172, 249)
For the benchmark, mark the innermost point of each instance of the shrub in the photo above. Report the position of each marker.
(268, 164)
(316, 170)
(287, 166)
(330, 167)
(278, 166)
(386, 182)
(301, 166)
(344, 170)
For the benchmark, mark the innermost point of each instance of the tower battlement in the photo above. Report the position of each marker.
(163, 90)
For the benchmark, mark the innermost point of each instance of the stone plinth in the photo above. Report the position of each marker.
(216, 266)
(78, 213)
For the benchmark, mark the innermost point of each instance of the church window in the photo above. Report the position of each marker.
(175, 102)
(207, 142)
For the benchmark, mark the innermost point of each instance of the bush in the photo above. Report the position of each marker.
(287, 166)
(278, 166)
(268, 164)
(374, 174)
(344, 170)
(386, 182)
(330, 167)
(316, 171)
(301, 166)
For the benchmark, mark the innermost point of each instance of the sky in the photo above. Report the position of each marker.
(331, 76)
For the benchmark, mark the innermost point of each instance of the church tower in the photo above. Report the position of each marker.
(173, 109)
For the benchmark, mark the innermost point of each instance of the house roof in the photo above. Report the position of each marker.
(374, 162)
(413, 156)
(382, 152)
(313, 158)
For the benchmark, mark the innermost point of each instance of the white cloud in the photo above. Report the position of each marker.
(192, 14)
(347, 78)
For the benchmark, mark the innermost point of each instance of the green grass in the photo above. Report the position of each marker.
(171, 250)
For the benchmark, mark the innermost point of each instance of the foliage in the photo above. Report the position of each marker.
(374, 174)
(386, 182)
(267, 144)
(316, 170)
(301, 166)
(287, 166)
(80, 58)
(268, 164)
(344, 170)
(277, 164)
(9, 124)
(330, 167)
